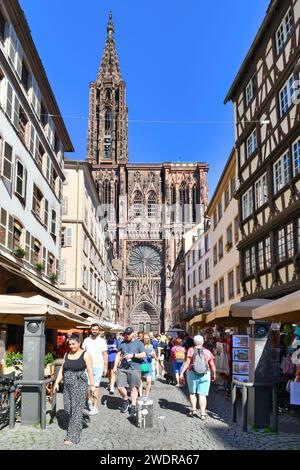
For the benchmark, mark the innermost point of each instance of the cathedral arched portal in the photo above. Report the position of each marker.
(145, 317)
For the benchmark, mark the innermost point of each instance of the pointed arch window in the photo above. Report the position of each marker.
(173, 203)
(183, 200)
(137, 204)
(108, 94)
(194, 194)
(106, 192)
(108, 120)
(152, 205)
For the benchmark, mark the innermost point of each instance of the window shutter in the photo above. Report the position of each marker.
(10, 232)
(32, 140)
(32, 250)
(46, 214)
(12, 44)
(19, 179)
(9, 99)
(18, 62)
(37, 143)
(16, 112)
(1, 153)
(7, 162)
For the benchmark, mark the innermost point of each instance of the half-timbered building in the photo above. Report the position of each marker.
(265, 96)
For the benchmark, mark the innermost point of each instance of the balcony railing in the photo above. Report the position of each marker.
(203, 307)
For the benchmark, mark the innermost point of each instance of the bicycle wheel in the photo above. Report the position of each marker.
(4, 407)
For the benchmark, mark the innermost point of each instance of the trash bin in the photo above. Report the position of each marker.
(144, 412)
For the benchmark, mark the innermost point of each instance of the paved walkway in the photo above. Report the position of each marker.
(172, 430)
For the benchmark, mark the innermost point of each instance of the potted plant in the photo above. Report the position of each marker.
(19, 252)
(53, 276)
(11, 360)
(39, 267)
(49, 366)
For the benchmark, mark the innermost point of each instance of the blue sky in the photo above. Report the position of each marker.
(177, 57)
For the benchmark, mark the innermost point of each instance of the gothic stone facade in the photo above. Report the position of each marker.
(148, 206)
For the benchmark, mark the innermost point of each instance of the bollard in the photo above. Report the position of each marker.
(12, 418)
(244, 407)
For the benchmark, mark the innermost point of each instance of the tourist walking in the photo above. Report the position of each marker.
(178, 358)
(73, 372)
(154, 342)
(201, 371)
(112, 349)
(146, 366)
(161, 353)
(131, 353)
(97, 348)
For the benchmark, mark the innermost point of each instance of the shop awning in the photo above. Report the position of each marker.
(45, 287)
(285, 310)
(13, 309)
(218, 314)
(245, 309)
(198, 320)
(104, 325)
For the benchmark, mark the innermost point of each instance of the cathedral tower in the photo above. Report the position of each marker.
(108, 126)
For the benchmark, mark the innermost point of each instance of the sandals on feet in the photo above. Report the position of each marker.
(203, 417)
(192, 413)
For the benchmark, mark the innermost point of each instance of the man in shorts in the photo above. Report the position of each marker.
(131, 353)
(97, 348)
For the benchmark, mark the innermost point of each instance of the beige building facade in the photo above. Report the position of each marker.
(223, 213)
(198, 274)
(86, 274)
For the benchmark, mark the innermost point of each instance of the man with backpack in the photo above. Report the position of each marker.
(201, 372)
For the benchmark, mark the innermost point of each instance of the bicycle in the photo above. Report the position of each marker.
(6, 383)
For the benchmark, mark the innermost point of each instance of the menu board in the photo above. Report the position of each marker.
(240, 357)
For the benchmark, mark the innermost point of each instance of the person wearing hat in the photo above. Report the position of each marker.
(131, 354)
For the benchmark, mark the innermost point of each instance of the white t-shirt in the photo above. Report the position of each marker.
(95, 347)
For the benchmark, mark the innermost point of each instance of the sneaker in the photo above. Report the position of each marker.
(124, 406)
(94, 411)
(111, 391)
(133, 412)
(90, 404)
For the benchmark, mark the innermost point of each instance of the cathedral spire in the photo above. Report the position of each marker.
(109, 66)
(110, 25)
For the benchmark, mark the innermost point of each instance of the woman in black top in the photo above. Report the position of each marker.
(75, 386)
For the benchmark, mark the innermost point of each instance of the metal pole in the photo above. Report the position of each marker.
(43, 405)
(244, 407)
(274, 403)
(233, 401)
(12, 407)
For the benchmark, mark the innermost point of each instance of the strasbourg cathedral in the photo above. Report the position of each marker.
(149, 207)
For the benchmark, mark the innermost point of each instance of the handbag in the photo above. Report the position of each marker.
(145, 368)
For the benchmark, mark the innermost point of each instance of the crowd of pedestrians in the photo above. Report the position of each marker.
(132, 361)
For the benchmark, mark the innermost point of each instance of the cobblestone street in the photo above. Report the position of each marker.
(172, 428)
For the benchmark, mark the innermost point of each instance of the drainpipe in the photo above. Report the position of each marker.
(77, 222)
